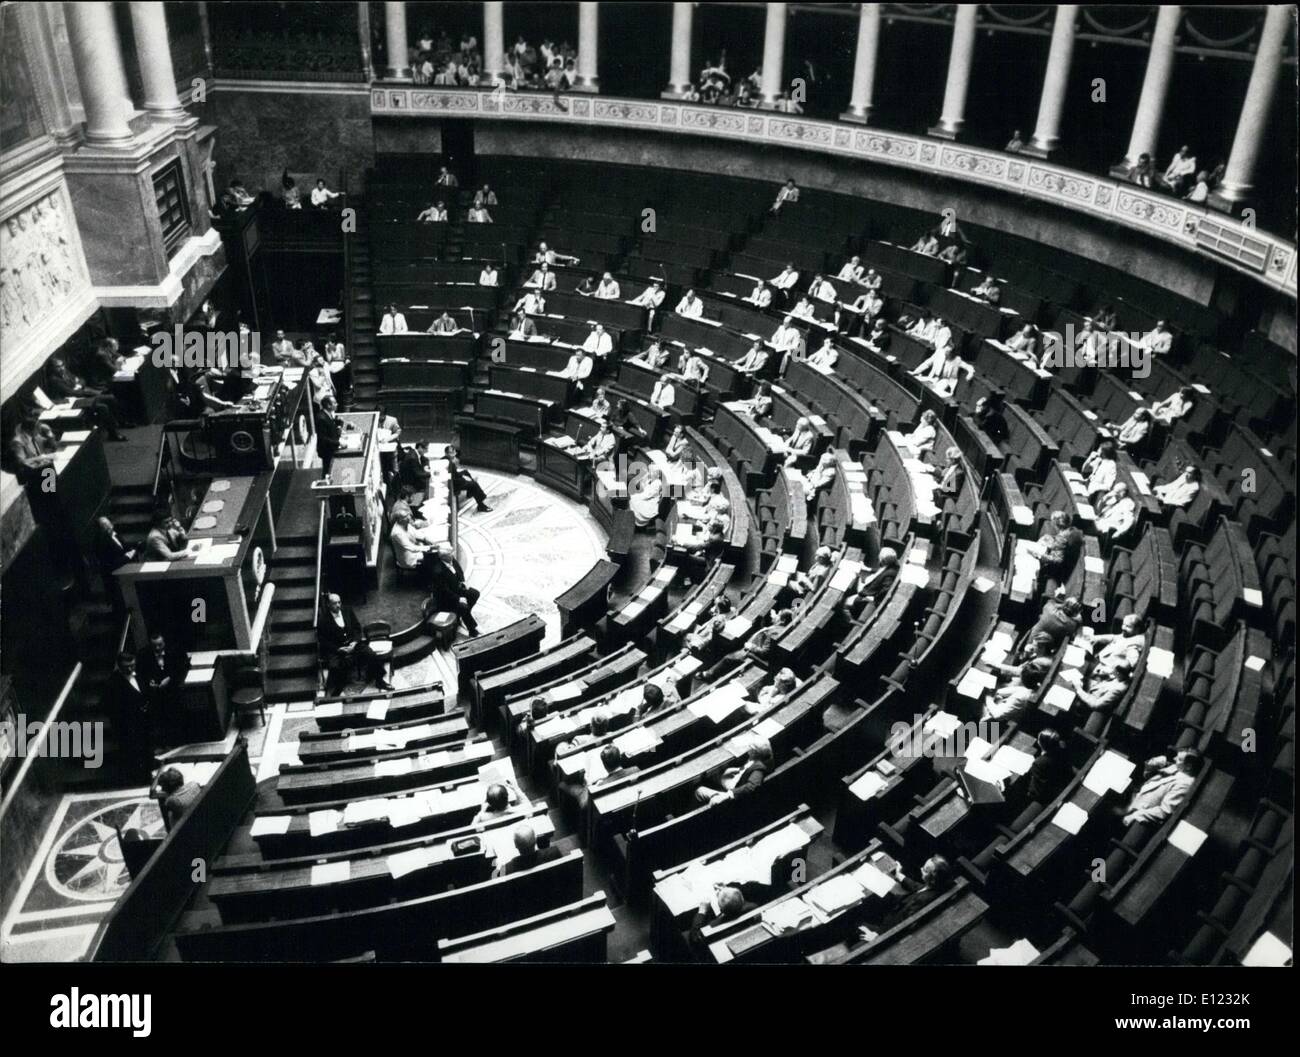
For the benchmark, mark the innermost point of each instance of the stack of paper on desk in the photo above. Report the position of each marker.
(788, 915)
(835, 894)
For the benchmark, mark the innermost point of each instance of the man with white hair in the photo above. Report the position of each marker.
(343, 646)
(871, 585)
(449, 591)
(527, 853)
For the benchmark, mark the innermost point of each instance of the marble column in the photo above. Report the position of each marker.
(100, 72)
(363, 38)
(1239, 176)
(679, 77)
(1155, 88)
(494, 42)
(588, 47)
(864, 65)
(399, 52)
(154, 54)
(959, 63)
(773, 82)
(1047, 131)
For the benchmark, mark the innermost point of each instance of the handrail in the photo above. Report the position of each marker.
(320, 550)
(36, 749)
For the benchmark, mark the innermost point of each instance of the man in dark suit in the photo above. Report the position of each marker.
(936, 879)
(128, 704)
(449, 590)
(161, 671)
(727, 904)
(528, 854)
(463, 481)
(343, 645)
(413, 472)
(110, 555)
(329, 432)
(738, 782)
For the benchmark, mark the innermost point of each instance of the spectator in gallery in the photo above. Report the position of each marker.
(788, 194)
(1016, 143)
(434, 213)
(321, 196)
(1181, 166)
(489, 276)
(1143, 172)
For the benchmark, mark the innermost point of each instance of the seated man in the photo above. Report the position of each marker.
(498, 799)
(1164, 787)
(988, 291)
(651, 297)
(753, 361)
(489, 275)
(448, 590)
(446, 326)
(521, 326)
(343, 646)
(739, 781)
(775, 693)
(852, 270)
(825, 357)
(1104, 689)
(1010, 702)
(608, 288)
(936, 878)
(1129, 644)
(727, 904)
(1181, 490)
(527, 853)
(531, 304)
(759, 406)
(175, 796)
(654, 355)
(1116, 513)
(760, 296)
(1059, 619)
(433, 213)
(392, 322)
(871, 585)
(786, 280)
(411, 550)
(463, 481)
(693, 369)
(578, 368)
(541, 279)
(690, 305)
(600, 447)
(788, 193)
(166, 542)
(1057, 551)
(598, 342)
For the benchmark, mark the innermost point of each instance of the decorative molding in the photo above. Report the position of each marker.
(235, 84)
(45, 291)
(1266, 257)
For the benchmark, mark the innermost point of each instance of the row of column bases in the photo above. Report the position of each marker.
(101, 73)
(1238, 178)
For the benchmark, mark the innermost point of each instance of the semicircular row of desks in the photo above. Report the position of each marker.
(811, 919)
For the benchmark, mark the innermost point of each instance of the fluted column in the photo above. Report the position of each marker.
(959, 64)
(773, 81)
(154, 54)
(494, 42)
(398, 68)
(1155, 87)
(100, 72)
(1047, 132)
(1239, 176)
(588, 46)
(864, 65)
(679, 76)
(363, 38)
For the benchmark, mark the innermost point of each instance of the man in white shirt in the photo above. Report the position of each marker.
(479, 215)
(785, 338)
(532, 303)
(693, 369)
(788, 277)
(651, 297)
(608, 290)
(320, 194)
(822, 290)
(435, 214)
(598, 342)
(488, 276)
(1158, 340)
(852, 271)
(754, 360)
(1181, 166)
(393, 322)
(664, 393)
(825, 358)
(690, 306)
(599, 447)
(788, 193)
(578, 369)
(445, 325)
(1164, 787)
(760, 296)
(446, 178)
(546, 255)
(541, 279)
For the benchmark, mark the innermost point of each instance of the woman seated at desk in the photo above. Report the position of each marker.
(645, 501)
